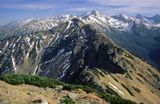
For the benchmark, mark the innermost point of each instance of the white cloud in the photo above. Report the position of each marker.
(27, 6)
(77, 9)
(151, 2)
(130, 6)
(107, 6)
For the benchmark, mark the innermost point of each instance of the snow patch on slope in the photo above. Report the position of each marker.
(112, 85)
(13, 63)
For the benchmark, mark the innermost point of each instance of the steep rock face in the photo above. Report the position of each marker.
(32, 25)
(25, 51)
(141, 41)
(96, 52)
(141, 33)
(78, 53)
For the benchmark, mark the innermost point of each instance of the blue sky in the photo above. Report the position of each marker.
(23, 9)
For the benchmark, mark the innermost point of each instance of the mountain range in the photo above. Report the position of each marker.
(113, 54)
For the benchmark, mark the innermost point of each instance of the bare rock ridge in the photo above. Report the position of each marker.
(81, 53)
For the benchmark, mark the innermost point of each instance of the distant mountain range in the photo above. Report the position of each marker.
(92, 49)
(141, 33)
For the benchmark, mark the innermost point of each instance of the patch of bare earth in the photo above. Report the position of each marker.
(26, 94)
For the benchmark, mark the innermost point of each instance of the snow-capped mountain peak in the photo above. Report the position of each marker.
(144, 18)
(124, 18)
(139, 16)
(96, 13)
(27, 21)
(97, 18)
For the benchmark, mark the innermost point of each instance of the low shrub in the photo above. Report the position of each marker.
(16, 79)
(67, 100)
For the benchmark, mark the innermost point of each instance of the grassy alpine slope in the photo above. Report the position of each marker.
(43, 82)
